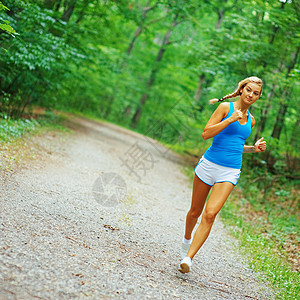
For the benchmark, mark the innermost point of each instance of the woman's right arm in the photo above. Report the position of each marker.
(215, 124)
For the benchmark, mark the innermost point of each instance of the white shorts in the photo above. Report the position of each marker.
(211, 173)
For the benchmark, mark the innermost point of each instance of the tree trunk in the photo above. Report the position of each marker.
(201, 83)
(139, 29)
(199, 90)
(138, 112)
(109, 106)
(295, 134)
(220, 13)
(275, 28)
(81, 13)
(154, 71)
(49, 3)
(292, 162)
(279, 121)
(68, 11)
(57, 5)
(136, 34)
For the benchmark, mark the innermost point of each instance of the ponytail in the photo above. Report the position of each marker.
(233, 95)
(238, 91)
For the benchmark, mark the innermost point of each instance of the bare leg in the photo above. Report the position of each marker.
(217, 198)
(200, 192)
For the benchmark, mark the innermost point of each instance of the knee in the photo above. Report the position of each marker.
(194, 213)
(209, 216)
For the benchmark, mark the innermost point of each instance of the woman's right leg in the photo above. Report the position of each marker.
(217, 198)
(200, 192)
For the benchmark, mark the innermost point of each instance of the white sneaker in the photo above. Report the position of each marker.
(185, 265)
(184, 250)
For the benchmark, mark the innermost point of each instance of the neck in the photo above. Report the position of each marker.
(241, 106)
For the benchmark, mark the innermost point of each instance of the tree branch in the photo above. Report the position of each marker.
(155, 21)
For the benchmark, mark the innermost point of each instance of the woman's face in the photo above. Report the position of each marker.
(251, 93)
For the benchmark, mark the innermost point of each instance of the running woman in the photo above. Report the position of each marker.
(219, 168)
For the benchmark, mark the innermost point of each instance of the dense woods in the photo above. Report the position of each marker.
(141, 62)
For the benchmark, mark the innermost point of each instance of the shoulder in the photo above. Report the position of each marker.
(252, 120)
(224, 108)
(219, 114)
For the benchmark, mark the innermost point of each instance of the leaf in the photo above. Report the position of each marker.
(3, 7)
(7, 28)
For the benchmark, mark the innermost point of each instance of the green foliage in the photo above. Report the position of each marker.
(11, 129)
(37, 61)
(7, 28)
(4, 24)
(83, 63)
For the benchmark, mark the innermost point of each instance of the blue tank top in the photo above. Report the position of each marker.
(227, 146)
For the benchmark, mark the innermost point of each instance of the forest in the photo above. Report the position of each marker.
(152, 66)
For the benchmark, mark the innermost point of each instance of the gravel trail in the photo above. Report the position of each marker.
(101, 216)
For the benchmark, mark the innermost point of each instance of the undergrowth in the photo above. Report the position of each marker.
(17, 143)
(12, 129)
(266, 255)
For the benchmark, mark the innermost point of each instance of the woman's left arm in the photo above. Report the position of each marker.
(259, 146)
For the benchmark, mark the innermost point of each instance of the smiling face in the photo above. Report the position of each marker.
(251, 93)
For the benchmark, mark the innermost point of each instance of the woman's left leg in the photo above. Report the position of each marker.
(215, 202)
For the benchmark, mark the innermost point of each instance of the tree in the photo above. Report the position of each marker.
(181, 12)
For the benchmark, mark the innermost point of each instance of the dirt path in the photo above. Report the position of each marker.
(102, 216)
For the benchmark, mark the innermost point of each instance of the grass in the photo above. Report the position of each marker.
(16, 137)
(262, 247)
(13, 129)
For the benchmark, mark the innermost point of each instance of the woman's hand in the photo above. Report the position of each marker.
(236, 115)
(216, 123)
(260, 145)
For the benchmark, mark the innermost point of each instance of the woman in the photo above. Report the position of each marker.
(219, 168)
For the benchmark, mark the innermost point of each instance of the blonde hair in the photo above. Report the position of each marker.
(238, 91)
